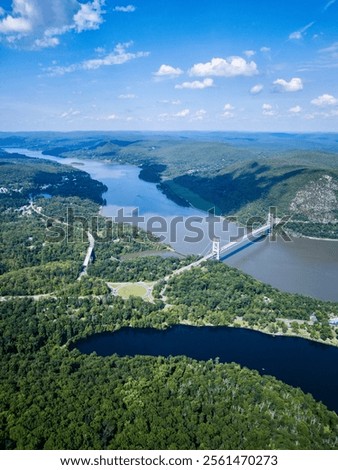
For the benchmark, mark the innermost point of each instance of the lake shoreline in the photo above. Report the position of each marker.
(188, 323)
(280, 357)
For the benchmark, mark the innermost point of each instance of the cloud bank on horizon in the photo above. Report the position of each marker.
(101, 64)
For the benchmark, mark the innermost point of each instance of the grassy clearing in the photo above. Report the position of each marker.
(134, 290)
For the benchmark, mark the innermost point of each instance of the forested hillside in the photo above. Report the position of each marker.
(53, 397)
(236, 174)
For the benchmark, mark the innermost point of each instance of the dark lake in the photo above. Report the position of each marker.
(298, 362)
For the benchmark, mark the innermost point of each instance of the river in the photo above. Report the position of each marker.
(298, 362)
(301, 266)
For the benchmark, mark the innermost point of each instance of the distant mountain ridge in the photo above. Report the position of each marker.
(239, 174)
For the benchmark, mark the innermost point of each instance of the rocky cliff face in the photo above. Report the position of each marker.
(318, 201)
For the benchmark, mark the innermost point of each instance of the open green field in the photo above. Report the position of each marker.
(126, 290)
(132, 290)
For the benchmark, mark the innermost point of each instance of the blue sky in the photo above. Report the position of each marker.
(169, 65)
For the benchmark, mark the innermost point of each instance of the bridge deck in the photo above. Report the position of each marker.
(232, 245)
(249, 236)
(225, 248)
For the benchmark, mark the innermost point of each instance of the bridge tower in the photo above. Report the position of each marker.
(271, 220)
(216, 248)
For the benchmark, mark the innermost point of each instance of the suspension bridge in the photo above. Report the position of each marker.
(219, 251)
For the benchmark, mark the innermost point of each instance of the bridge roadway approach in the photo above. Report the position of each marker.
(89, 255)
(218, 252)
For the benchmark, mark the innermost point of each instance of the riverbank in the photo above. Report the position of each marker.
(287, 266)
(318, 238)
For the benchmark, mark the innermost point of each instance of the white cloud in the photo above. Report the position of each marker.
(296, 35)
(46, 42)
(268, 110)
(168, 71)
(295, 84)
(2, 11)
(295, 110)
(199, 115)
(331, 50)
(70, 113)
(265, 49)
(228, 111)
(329, 4)
(22, 18)
(183, 113)
(196, 85)
(230, 67)
(38, 23)
(228, 107)
(309, 117)
(113, 117)
(249, 53)
(256, 89)
(228, 114)
(127, 96)
(125, 9)
(173, 102)
(15, 25)
(117, 57)
(325, 100)
(89, 16)
(299, 34)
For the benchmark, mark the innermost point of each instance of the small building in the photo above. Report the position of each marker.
(334, 321)
(313, 318)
